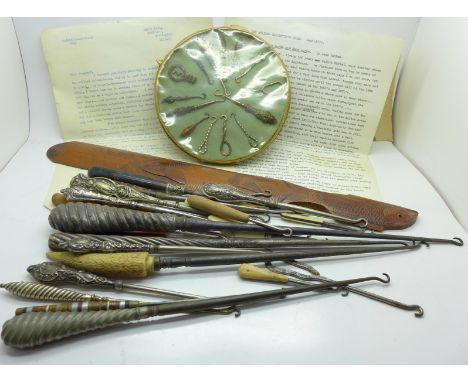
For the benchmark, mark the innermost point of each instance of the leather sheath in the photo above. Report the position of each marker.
(380, 215)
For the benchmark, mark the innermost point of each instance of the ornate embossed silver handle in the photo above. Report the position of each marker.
(226, 193)
(82, 243)
(109, 187)
(76, 194)
(118, 193)
(170, 190)
(54, 273)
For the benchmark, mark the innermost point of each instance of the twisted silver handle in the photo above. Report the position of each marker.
(94, 218)
(37, 291)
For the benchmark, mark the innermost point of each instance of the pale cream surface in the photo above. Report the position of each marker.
(340, 79)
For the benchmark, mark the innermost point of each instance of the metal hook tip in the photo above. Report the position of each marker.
(458, 241)
(420, 311)
(387, 278)
(265, 194)
(289, 232)
(363, 223)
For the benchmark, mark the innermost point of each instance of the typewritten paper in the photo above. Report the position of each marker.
(103, 75)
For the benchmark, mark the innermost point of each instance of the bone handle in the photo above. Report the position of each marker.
(206, 205)
(114, 265)
(251, 272)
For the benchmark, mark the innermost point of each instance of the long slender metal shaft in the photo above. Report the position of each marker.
(78, 243)
(55, 273)
(83, 243)
(94, 218)
(102, 187)
(142, 264)
(77, 301)
(34, 329)
(300, 279)
(161, 262)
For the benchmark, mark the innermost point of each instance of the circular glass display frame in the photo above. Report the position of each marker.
(222, 95)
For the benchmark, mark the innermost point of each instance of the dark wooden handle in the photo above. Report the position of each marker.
(125, 177)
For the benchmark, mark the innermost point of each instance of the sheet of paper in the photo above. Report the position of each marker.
(340, 79)
(103, 75)
(103, 78)
(320, 168)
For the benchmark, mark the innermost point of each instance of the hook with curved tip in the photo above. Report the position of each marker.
(225, 148)
(203, 148)
(252, 141)
(419, 310)
(264, 218)
(225, 145)
(387, 278)
(231, 309)
(298, 279)
(286, 231)
(457, 241)
(265, 194)
(262, 90)
(296, 275)
(224, 311)
(306, 267)
(219, 93)
(222, 93)
(227, 92)
(403, 243)
(421, 243)
(362, 222)
(188, 130)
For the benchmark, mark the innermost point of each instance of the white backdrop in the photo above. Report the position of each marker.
(14, 111)
(320, 329)
(431, 122)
